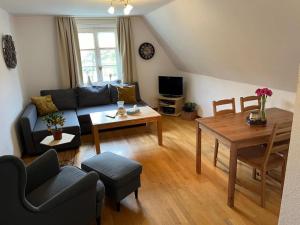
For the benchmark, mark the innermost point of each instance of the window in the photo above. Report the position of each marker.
(99, 55)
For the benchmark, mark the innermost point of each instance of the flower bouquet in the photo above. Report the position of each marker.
(260, 118)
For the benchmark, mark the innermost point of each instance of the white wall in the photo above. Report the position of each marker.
(38, 52)
(11, 99)
(149, 70)
(253, 41)
(37, 47)
(205, 89)
(290, 204)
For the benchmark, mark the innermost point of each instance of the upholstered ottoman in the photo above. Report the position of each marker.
(121, 176)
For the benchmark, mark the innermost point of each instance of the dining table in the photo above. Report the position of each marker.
(233, 131)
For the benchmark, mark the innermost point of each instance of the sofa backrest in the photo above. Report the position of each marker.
(93, 96)
(67, 99)
(64, 99)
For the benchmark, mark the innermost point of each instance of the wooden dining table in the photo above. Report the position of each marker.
(233, 131)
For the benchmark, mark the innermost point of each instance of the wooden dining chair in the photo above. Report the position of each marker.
(243, 100)
(266, 158)
(221, 112)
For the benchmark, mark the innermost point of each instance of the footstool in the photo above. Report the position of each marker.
(121, 176)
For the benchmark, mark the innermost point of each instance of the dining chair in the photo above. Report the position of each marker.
(222, 112)
(243, 100)
(271, 156)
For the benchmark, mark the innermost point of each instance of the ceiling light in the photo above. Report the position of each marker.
(111, 10)
(127, 9)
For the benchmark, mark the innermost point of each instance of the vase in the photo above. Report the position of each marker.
(262, 111)
(57, 134)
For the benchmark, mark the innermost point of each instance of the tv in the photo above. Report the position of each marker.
(170, 86)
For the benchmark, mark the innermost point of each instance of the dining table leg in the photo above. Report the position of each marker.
(198, 148)
(232, 175)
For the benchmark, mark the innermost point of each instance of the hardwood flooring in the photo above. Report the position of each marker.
(172, 193)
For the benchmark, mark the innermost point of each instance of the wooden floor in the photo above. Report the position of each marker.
(172, 193)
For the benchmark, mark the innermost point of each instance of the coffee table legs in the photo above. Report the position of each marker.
(96, 139)
(159, 132)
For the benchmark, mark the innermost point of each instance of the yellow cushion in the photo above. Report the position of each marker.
(127, 94)
(44, 105)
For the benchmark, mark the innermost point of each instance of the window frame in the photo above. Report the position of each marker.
(99, 65)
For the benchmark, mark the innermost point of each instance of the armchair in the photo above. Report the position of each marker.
(44, 193)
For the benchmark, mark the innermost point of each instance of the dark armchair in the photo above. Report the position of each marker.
(44, 193)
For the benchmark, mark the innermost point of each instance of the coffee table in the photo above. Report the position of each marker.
(100, 121)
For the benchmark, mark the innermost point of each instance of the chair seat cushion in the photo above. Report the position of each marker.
(255, 156)
(113, 169)
(68, 176)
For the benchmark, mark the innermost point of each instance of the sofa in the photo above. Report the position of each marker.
(45, 193)
(76, 104)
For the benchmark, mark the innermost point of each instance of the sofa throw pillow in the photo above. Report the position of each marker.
(127, 94)
(44, 105)
(114, 91)
(93, 96)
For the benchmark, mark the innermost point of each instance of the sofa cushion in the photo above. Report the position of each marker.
(40, 131)
(127, 94)
(93, 96)
(70, 116)
(64, 99)
(67, 177)
(114, 95)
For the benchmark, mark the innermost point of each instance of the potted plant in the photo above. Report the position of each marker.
(189, 111)
(55, 122)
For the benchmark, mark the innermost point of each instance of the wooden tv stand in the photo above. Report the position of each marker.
(170, 106)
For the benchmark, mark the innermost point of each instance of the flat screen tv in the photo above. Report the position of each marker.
(170, 86)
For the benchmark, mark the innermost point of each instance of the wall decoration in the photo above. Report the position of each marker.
(146, 51)
(9, 51)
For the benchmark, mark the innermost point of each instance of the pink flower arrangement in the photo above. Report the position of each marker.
(264, 92)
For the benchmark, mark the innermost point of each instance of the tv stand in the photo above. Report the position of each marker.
(171, 96)
(170, 106)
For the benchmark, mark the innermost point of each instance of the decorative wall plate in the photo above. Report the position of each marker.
(146, 51)
(9, 51)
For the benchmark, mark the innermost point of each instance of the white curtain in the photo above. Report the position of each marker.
(126, 49)
(69, 52)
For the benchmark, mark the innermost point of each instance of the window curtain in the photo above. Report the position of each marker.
(126, 49)
(69, 52)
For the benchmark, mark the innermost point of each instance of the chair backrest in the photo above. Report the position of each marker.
(243, 100)
(222, 103)
(13, 181)
(280, 140)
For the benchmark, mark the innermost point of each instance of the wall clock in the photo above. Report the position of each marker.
(9, 51)
(146, 51)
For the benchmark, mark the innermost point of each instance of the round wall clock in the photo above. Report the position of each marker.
(146, 51)
(9, 51)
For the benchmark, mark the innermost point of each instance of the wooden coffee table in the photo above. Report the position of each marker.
(100, 121)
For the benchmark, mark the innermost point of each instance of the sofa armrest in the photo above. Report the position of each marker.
(27, 122)
(42, 169)
(85, 184)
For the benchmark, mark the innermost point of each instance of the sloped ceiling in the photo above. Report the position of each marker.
(256, 42)
(77, 7)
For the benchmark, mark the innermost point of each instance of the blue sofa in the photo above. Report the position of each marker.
(76, 105)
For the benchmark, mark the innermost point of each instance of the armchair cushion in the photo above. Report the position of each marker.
(67, 177)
